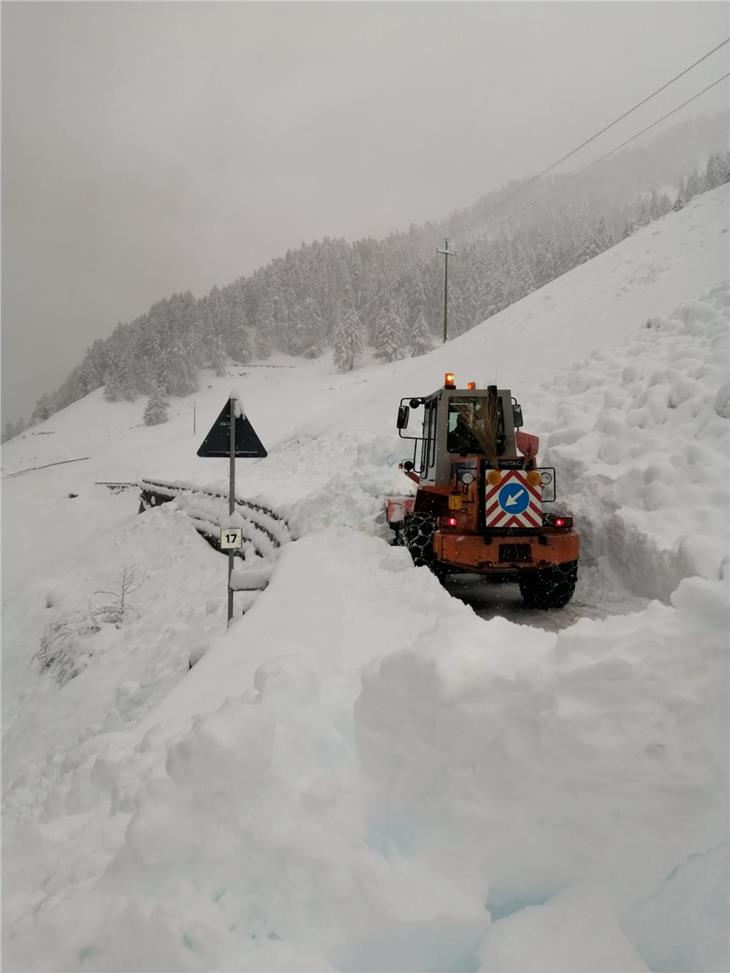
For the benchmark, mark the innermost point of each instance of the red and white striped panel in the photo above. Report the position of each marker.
(506, 498)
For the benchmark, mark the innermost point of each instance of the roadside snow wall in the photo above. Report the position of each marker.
(641, 439)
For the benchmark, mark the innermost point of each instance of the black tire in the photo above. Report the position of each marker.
(549, 587)
(417, 535)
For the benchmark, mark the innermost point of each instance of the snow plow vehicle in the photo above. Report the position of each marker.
(480, 495)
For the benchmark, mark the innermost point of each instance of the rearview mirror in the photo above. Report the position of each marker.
(517, 419)
(403, 413)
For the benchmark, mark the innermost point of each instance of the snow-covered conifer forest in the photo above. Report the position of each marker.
(386, 296)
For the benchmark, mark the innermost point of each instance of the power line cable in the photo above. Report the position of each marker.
(525, 185)
(657, 122)
(636, 106)
(569, 155)
(617, 148)
(595, 162)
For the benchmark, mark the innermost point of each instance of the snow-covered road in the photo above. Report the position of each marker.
(598, 594)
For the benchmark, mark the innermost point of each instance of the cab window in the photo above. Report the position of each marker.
(465, 416)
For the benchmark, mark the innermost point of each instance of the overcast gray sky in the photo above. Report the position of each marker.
(149, 148)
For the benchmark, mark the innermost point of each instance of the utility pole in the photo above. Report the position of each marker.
(447, 253)
(231, 494)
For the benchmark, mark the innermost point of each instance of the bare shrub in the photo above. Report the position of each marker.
(65, 648)
(117, 608)
(64, 651)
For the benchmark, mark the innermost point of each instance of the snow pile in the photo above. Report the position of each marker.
(249, 825)
(124, 669)
(600, 758)
(641, 439)
(482, 770)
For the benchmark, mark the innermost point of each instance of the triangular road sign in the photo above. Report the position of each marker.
(218, 441)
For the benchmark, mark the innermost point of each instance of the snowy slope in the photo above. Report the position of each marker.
(362, 773)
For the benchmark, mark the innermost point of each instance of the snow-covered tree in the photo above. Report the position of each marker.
(43, 409)
(659, 204)
(218, 356)
(682, 190)
(265, 326)
(717, 171)
(544, 261)
(420, 340)
(239, 339)
(347, 342)
(156, 410)
(694, 185)
(180, 376)
(389, 341)
(96, 363)
(597, 241)
(262, 341)
(312, 329)
(119, 378)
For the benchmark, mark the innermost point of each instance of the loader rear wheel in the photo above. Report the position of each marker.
(549, 587)
(417, 535)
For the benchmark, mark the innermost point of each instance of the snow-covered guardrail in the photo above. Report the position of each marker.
(118, 486)
(264, 531)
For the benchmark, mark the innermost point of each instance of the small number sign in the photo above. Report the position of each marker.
(231, 538)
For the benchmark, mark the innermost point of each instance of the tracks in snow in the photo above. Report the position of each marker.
(599, 594)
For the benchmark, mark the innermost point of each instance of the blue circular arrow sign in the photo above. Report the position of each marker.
(513, 498)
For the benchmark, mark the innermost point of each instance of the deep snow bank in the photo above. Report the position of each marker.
(483, 769)
(603, 758)
(239, 841)
(640, 436)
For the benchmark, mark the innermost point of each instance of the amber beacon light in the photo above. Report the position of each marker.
(449, 380)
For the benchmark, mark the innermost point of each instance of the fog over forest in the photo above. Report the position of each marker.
(153, 150)
(387, 296)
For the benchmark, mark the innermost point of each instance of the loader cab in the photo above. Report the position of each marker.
(459, 424)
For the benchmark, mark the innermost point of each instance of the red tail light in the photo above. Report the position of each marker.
(451, 521)
(558, 520)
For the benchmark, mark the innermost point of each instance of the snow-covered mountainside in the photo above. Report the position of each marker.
(365, 772)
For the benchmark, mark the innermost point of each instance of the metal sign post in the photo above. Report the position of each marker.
(231, 436)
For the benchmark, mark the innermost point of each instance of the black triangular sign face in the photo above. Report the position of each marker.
(218, 441)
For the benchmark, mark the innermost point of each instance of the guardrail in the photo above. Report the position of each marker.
(264, 530)
(118, 486)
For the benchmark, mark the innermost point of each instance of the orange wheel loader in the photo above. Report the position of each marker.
(480, 496)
